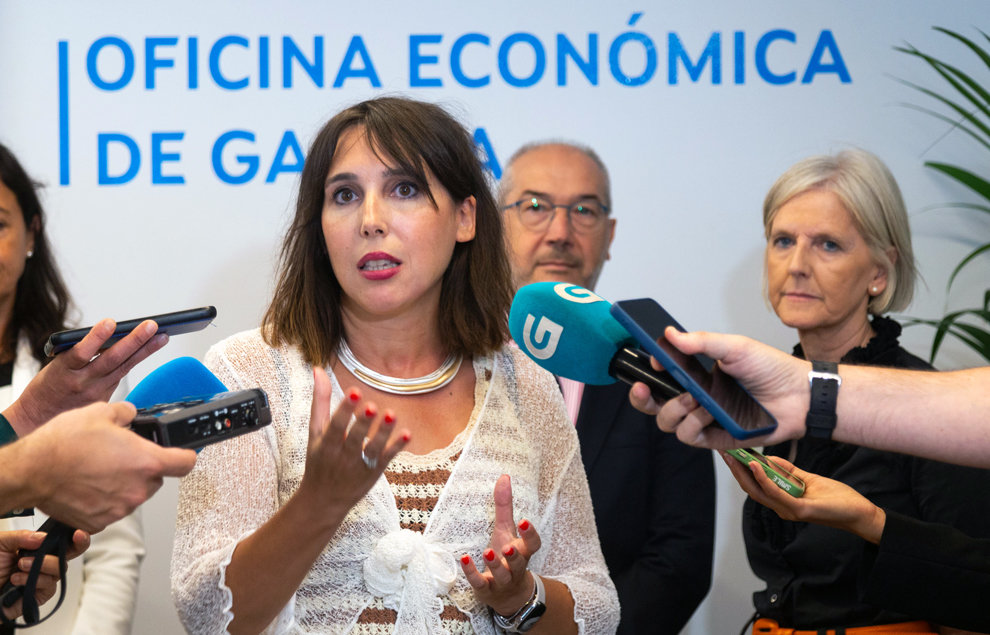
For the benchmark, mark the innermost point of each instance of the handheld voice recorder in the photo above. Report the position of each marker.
(194, 423)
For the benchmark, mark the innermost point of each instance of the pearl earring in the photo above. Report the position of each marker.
(875, 291)
(30, 253)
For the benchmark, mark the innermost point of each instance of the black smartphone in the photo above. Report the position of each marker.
(719, 393)
(171, 323)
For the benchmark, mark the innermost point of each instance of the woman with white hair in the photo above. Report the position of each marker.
(838, 257)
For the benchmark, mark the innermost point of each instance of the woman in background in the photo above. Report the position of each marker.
(394, 278)
(838, 257)
(102, 584)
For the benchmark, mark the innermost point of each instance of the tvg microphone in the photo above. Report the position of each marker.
(569, 331)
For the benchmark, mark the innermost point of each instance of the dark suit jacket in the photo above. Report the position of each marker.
(654, 501)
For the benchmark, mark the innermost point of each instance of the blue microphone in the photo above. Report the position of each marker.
(183, 404)
(181, 379)
(569, 331)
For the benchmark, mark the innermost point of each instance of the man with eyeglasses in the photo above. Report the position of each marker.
(654, 498)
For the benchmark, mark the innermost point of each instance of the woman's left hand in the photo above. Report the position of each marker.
(506, 584)
(825, 501)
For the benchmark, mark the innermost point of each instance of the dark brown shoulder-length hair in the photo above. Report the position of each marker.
(42, 301)
(414, 137)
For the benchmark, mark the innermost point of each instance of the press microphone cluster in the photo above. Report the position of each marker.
(569, 331)
(180, 404)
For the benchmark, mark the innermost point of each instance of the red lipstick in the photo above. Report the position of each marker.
(378, 265)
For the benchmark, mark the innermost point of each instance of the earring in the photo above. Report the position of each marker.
(875, 290)
(30, 253)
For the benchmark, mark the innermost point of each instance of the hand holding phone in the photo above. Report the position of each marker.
(170, 323)
(82, 374)
(732, 407)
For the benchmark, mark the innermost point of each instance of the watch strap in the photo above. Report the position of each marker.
(825, 382)
(528, 614)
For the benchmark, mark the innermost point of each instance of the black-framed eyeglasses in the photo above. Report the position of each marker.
(537, 213)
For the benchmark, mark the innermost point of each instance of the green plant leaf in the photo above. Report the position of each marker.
(969, 100)
(973, 46)
(980, 345)
(976, 183)
(974, 337)
(972, 206)
(965, 85)
(973, 254)
(956, 124)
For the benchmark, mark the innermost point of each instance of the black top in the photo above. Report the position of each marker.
(930, 568)
(812, 572)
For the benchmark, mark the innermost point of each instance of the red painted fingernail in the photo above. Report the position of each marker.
(389, 418)
(406, 436)
(369, 411)
(489, 554)
(508, 551)
(465, 559)
(524, 525)
(354, 395)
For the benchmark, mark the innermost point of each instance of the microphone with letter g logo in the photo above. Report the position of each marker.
(569, 331)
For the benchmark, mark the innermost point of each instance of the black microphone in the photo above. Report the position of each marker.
(632, 364)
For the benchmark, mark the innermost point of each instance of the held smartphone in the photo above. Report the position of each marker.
(171, 323)
(732, 407)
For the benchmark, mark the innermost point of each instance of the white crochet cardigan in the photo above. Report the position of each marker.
(518, 427)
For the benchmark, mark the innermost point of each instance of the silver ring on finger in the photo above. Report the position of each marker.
(370, 462)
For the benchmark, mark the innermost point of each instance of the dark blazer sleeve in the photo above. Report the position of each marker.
(654, 501)
(930, 569)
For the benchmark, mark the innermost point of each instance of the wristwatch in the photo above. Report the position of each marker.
(825, 382)
(530, 613)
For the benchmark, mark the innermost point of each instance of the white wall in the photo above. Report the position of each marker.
(690, 160)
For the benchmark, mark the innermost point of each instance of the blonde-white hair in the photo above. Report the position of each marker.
(867, 189)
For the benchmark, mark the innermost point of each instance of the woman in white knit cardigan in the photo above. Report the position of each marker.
(419, 475)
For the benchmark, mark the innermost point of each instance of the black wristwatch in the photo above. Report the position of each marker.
(530, 613)
(825, 382)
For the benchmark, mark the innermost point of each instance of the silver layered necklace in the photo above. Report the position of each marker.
(399, 385)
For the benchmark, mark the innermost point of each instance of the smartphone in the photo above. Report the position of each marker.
(781, 477)
(171, 323)
(720, 394)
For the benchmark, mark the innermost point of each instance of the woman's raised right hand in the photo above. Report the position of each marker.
(343, 463)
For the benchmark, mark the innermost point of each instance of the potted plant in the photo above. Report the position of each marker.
(969, 101)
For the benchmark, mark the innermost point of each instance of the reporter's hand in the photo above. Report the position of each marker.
(825, 501)
(775, 379)
(87, 468)
(15, 570)
(506, 584)
(82, 375)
